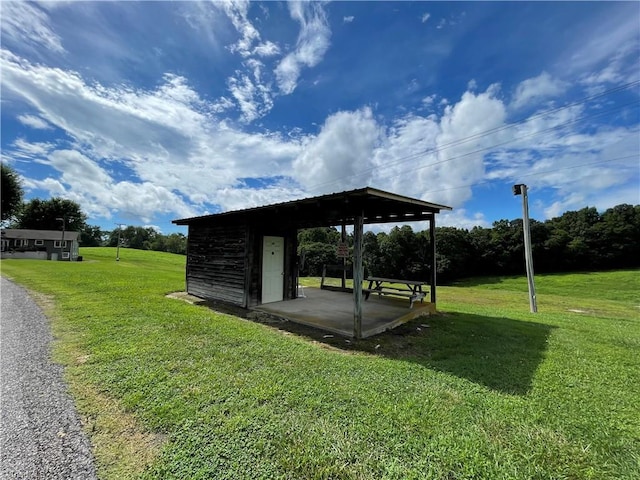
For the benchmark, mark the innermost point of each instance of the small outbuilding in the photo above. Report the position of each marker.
(39, 244)
(249, 257)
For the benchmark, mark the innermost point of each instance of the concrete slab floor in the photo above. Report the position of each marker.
(333, 311)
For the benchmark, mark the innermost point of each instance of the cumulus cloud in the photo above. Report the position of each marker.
(460, 218)
(348, 19)
(439, 158)
(83, 180)
(165, 137)
(172, 154)
(340, 153)
(425, 17)
(312, 44)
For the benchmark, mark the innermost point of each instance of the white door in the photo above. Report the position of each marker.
(272, 269)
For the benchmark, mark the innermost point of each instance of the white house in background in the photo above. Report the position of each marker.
(40, 244)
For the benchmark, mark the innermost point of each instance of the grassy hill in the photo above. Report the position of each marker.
(483, 390)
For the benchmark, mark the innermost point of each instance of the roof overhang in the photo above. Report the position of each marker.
(32, 234)
(376, 206)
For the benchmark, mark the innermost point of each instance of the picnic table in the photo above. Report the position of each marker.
(388, 286)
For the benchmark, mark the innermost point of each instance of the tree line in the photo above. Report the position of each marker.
(48, 214)
(578, 240)
(58, 213)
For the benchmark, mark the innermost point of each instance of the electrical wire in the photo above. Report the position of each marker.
(485, 133)
(486, 182)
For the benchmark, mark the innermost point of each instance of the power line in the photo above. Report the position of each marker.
(494, 146)
(486, 182)
(485, 133)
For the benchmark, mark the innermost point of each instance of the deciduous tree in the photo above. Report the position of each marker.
(11, 191)
(44, 214)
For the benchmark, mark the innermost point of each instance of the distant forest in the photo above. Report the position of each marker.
(582, 240)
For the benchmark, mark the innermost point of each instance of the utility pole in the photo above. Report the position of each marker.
(64, 222)
(521, 189)
(118, 246)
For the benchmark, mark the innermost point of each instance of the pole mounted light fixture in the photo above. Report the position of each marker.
(521, 189)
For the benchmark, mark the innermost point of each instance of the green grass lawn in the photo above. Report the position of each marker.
(483, 390)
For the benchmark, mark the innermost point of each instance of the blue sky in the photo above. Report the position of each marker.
(144, 112)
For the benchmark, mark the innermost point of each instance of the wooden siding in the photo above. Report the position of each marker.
(217, 263)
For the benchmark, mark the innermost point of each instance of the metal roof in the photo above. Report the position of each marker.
(28, 234)
(377, 206)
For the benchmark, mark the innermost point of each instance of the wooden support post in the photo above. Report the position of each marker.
(343, 239)
(357, 275)
(432, 238)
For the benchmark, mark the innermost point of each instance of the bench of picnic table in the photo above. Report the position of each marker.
(387, 286)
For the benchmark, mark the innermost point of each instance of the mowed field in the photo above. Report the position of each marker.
(485, 389)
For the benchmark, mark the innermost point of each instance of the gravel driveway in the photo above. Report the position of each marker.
(40, 433)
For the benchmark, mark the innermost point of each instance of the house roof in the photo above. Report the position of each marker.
(28, 234)
(377, 206)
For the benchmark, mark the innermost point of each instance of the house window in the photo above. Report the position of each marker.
(65, 255)
(5, 244)
(18, 242)
(39, 242)
(56, 244)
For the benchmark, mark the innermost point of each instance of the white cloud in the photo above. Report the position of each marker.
(312, 44)
(34, 122)
(425, 17)
(26, 150)
(607, 37)
(179, 158)
(428, 101)
(459, 218)
(237, 11)
(537, 89)
(336, 157)
(25, 25)
(266, 49)
(617, 70)
(83, 180)
(434, 158)
(239, 198)
(245, 92)
(252, 86)
(348, 19)
(165, 137)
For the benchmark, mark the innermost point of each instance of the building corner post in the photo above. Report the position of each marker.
(358, 274)
(432, 239)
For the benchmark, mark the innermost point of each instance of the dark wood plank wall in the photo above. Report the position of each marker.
(224, 263)
(254, 275)
(217, 262)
